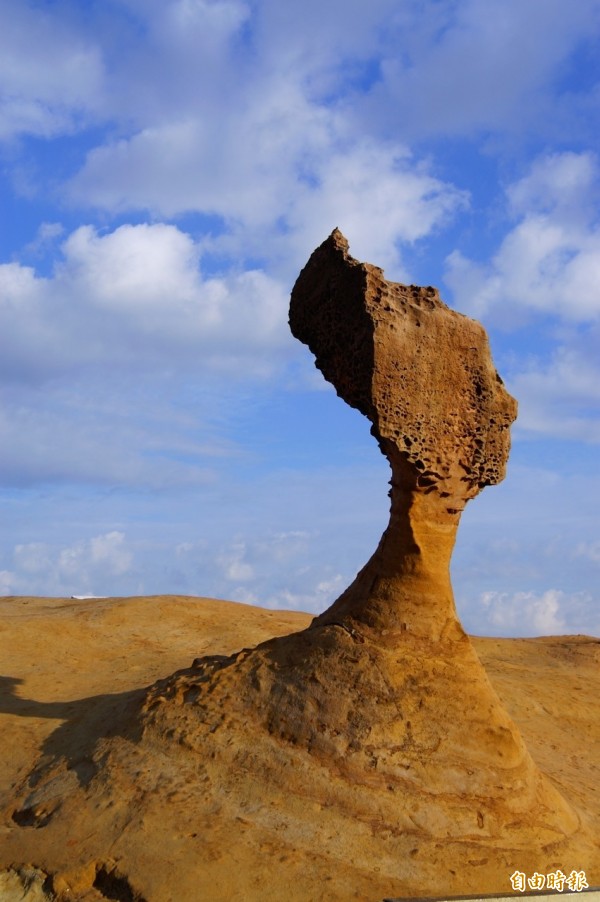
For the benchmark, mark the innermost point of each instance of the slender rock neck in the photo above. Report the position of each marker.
(405, 586)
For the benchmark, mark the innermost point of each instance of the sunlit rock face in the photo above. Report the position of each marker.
(424, 376)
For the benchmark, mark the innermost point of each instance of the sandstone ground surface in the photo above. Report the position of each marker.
(166, 829)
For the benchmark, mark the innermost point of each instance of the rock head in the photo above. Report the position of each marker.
(424, 377)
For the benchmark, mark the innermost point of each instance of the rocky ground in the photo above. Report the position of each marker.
(108, 792)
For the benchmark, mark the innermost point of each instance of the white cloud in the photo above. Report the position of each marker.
(52, 77)
(549, 262)
(320, 42)
(547, 612)
(526, 547)
(8, 582)
(462, 68)
(109, 550)
(87, 566)
(276, 569)
(136, 298)
(418, 68)
(547, 266)
(312, 597)
(178, 57)
(561, 397)
(235, 88)
(233, 564)
(269, 570)
(281, 175)
(558, 183)
(589, 550)
(33, 557)
(47, 234)
(253, 133)
(248, 113)
(240, 159)
(106, 551)
(526, 613)
(249, 560)
(380, 197)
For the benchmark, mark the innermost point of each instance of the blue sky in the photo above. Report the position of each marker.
(167, 167)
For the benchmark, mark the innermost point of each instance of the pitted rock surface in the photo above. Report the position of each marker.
(423, 375)
(421, 372)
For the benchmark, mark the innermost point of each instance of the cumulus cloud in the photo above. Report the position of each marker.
(440, 67)
(380, 197)
(87, 566)
(131, 304)
(279, 179)
(547, 265)
(525, 612)
(560, 183)
(286, 569)
(235, 567)
(239, 113)
(311, 596)
(547, 613)
(136, 297)
(249, 114)
(549, 261)
(561, 396)
(272, 569)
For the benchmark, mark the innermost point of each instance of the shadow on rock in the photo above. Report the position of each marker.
(67, 760)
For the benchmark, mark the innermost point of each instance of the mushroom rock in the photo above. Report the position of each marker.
(380, 712)
(424, 377)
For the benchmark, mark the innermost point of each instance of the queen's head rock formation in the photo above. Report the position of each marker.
(372, 742)
(380, 712)
(424, 377)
